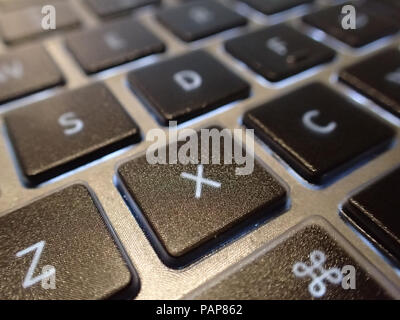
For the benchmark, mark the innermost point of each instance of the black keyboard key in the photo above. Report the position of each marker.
(309, 263)
(186, 86)
(278, 52)
(107, 8)
(375, 211)
(27, 70)
(199, 206)
(26, 23)
(198, 19)
(113, 44)
(64, 241)
(370, 26)
(53, 136)
(377, 77)
(318, 132)
(274, 6)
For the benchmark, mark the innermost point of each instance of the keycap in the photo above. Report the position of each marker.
(186, 86)
(370, 25)
(112, 44)
(278, 52)
(26, 23)
(375, 211)
(306, 264)
(59, 247)
(106, 8)
(56, 135)
(198, 19)
(377, 77)
(274, 6)
(27, 70)
(189, 209)
(318, 132)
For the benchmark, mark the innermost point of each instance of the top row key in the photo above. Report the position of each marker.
(272, 7)
(26, 23)
(107, 8)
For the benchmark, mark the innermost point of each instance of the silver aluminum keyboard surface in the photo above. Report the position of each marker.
(157, 280)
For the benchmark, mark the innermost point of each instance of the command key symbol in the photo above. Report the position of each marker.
(317, 273)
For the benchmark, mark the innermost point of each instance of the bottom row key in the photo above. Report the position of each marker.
(307, 263)
(375, 212)
(189, 209)
(59, 247)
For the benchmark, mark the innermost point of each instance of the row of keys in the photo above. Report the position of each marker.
(198, 19)
(189, 21)
(105, 10)
(30, 69)
(287, 52)
(275, 53)
(180, 89)
(40, 254)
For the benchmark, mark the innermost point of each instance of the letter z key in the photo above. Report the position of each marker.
(59, 247)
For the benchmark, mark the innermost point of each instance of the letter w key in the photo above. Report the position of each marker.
(27, 70)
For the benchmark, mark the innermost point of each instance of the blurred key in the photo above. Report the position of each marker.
(61, 133)
(107, 8)
(309, 264)
(26, 23)
(274, 6)
(186, 86)
(377, 77)
(198, 19)
(27, 70)
(369, 27)
(58, 247)
(278, 52)
(375, 211)
(318, 132)
(112, 44)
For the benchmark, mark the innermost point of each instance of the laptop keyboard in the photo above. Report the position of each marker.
(84, 215)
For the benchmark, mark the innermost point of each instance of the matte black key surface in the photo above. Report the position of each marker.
(107, 8)
(188, 209)
(187, 86)
(27, 70)
(370, 26)
(281, 273)
(113, 44)
(375, 211)
(198, 19)
(55, 135)
(278, 52)
(274, 6)
(65, 240)
(318, 132)
(23, 24)
(377, 77)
